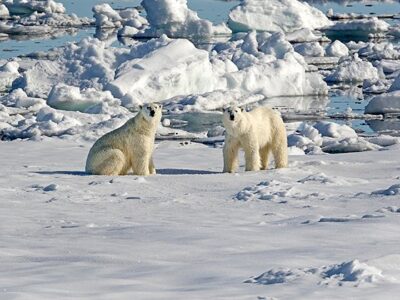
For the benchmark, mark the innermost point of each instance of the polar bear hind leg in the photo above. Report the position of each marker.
(264, 154)
(108, 161)
(280, 153)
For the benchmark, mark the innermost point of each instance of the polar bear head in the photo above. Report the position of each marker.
(232, 118)
(151, 111)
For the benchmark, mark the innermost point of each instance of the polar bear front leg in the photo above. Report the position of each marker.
(252, 155)
(152, 168)
(140, 165)
(230, 152)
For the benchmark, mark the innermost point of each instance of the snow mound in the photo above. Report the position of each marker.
(280, 275)
(175, 19)
(72, 98)
(107, 17)
(334, 130)
(275, 16)
(391, 191)
(383, 104)
(353, 70)
(363, 27)
(25, 6)
(354, 144)
(310, 49)
(4, 12)
(8, 73)
(354, 272)
(337, 49)
(178, 68)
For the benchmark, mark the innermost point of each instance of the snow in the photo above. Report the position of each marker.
(4, 11)
(192, 232)
(8, 73)
(48, 6)
(310, 49)
(175, 19)
(71, 225)
(107, 17)
(385, 103)
(362, 27)
(275, 16)
(337, 49)
(66, 97)
(353, 69)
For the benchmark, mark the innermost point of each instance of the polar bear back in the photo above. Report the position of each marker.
(266, 123)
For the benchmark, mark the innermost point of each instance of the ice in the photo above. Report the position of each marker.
(107, 17)
(4, 11)
(48, 6)
(390, 191)
(175, 19)
(66, 97)
(310, 49)
(337, 49)
(383, 104)
(303, 35)
(178, 65)
(363, 27)
(8, 73)
(275, 16)
(354, 272)
(353, 69)
(334, 130)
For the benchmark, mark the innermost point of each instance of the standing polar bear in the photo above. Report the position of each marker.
(128, 147)
(258, 132)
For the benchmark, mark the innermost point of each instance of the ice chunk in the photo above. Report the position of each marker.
(353, 70)
(4, 11)
(337, 48)
(275, 15)
(362, 27)
(310, 49)
(8, 73)
(176, 69)
(383, 104)
(72, 98)
(107, 17)
(24, 6)
(335, 130)
(175, 19)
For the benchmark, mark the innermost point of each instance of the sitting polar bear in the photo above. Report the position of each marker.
(128, 147)
(258, 132)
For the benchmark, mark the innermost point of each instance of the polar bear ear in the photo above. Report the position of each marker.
(140, 107)
(242, 109)
(224, 109)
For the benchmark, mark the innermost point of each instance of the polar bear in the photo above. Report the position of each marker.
(127, 147)
(258, 132)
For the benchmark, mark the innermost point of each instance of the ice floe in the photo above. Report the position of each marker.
(175, 19)
(275, 16)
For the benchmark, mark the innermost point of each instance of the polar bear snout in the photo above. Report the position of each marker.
(152, 113)
(232, 117)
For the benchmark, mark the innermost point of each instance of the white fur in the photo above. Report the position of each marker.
(129, 147)
(258, 132)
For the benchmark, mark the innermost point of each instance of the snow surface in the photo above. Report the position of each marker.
(322, 233)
